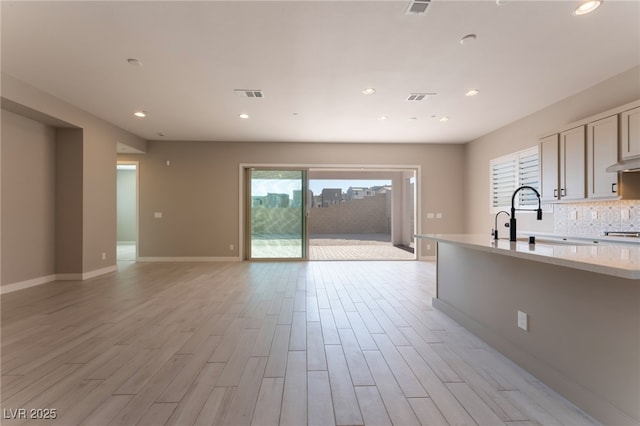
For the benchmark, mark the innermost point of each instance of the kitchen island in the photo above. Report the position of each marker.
(580, 302)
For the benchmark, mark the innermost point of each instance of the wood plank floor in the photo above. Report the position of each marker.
(290, 343)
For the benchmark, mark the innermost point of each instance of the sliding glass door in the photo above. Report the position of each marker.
(276, 214)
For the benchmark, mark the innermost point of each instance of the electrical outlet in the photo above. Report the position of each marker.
(157, 215)
(438, 215)
(104, 256)
(624, 214)
(428, 246)
(523, 321)
(231, 247)
(574, 215)
(430, 215)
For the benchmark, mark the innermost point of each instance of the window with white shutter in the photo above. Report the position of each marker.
(510, 172)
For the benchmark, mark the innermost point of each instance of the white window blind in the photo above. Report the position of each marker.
(503, 182)
(528, 171)
(510, 172)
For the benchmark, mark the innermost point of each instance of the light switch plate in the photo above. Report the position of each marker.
(523, 321)
(157, 215)
(574, 215)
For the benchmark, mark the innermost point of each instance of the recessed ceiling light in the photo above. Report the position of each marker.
(444, 119)
(472, 92)
(382, 118)
(587, 7)
(135, 62)
(244, 116)
(468, 39)
(141, 114)
(369, 91)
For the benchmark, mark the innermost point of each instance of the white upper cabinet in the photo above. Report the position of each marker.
(630, 133)
(549, 176)
(572, 164)
(602, 151)
(574, 161)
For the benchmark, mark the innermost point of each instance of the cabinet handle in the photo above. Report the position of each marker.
(555, 193)
(563, 192)
(614, 187)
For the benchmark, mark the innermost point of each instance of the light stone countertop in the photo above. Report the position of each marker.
(620, 260)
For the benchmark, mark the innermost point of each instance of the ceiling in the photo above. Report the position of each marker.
(312, 60)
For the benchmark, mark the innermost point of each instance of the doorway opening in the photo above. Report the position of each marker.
(361, 215)
(127, 211)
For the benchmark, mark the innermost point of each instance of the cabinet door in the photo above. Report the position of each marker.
(630, 133)
(602, 151)
(549, 168)
(572, 164)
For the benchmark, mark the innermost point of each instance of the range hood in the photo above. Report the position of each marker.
(632, 165)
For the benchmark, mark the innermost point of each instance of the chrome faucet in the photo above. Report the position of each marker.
(512, 221)
(495, 228)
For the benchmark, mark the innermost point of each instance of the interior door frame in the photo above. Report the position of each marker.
(243, 186)
(137, 164)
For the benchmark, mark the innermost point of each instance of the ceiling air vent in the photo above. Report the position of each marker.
(415, 97)
(418, 7)
(249, 93)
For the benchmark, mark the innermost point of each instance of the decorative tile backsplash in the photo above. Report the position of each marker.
(594, 218)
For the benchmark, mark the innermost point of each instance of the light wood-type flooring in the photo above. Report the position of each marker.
(241, 343)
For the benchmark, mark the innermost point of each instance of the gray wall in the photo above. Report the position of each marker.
(524, 133)
(199, 193)
(90, 197)
(126, 205)
(69, 200)
(28, 199)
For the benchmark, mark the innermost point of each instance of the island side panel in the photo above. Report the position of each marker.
(584, 328)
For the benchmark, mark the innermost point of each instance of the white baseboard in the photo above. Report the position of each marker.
(98, 272)
(189, 259)
(10, 288)
(21, 285)
(69, 277)
(86, 275)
